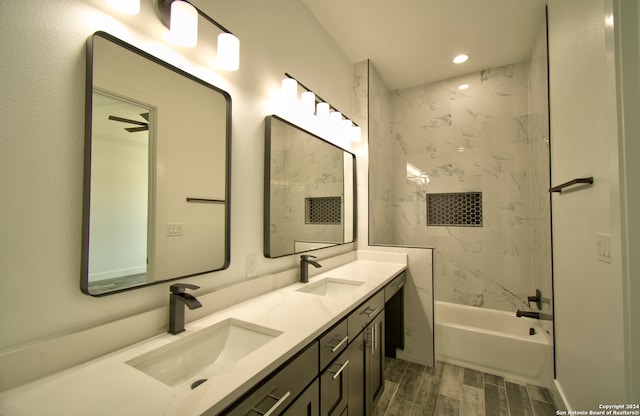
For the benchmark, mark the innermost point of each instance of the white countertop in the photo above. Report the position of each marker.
(109, 386)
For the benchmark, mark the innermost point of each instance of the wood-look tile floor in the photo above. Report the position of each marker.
(449, 390)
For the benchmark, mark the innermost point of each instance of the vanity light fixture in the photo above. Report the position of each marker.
(325, 113)
(322, 111)
(460, 59)
(181, 17)
(290, 92)
(183, 24)
(463, 86)
(131, 7)
(308, 102)
(228, 51)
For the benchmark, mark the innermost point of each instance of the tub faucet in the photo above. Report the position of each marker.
(534, 315)
(177, 301)
(304, 267)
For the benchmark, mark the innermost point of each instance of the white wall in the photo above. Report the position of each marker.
(41, 160)
(627, 32)
(590, 350)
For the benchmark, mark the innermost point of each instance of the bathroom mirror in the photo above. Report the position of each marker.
(156, 174)
(309, 200)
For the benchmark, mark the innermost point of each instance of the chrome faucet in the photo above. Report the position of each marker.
(304, 267)
(177, 301)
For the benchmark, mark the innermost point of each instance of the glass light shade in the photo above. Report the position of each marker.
(228, 52)
(322, 111)
(184, 24)
(289, 90)
(335, 118)
(126, 6)
(345, 125)
(308, 100)
(345, 131)
(356, 133)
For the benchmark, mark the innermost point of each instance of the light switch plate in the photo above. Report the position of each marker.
(603, 244)
(175, 229)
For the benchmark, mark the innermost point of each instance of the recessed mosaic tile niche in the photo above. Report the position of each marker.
(323, 210)
(462, 209)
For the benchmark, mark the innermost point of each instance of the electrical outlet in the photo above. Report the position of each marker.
(252, 265)
(603, 244)
(175, 229)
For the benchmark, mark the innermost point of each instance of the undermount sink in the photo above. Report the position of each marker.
(206, 351)
(331, 287)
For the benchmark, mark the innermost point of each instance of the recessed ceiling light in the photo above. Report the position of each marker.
(460, 59)
(463, 86)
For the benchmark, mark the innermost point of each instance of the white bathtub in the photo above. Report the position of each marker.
(493, 341)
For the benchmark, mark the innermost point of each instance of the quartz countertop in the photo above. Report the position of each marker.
(108, 385)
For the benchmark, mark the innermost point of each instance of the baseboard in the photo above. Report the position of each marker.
(558, 396)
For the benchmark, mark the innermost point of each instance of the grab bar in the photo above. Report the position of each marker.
(559, 188)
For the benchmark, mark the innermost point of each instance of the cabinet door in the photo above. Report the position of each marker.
(334, 387)
(356, 374)
(374, 362)
(307, 404)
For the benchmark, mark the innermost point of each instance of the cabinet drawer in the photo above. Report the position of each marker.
(280, 390)
(332, 343)
(359, 318)
(308, 404)
(395, 285)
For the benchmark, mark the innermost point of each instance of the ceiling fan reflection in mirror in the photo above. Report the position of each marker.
(144, 126)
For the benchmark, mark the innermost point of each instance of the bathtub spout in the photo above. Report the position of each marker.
(534, 315)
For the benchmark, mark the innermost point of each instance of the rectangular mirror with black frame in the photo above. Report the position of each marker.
(310, 187)
(157, 171)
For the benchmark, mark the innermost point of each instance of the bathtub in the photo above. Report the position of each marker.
(493, 341)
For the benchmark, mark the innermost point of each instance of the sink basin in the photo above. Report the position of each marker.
(210, 349)
(331, 287)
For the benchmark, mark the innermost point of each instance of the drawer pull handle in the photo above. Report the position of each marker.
(399, 285)
(336, 347)
(340, 370)
(373, 339)
(375, 336)
(275, 406)
(370, 311)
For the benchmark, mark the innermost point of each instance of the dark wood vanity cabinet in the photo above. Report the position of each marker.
(334, 387)
(366, 355)
(394, 315)
(308, 404)
(340, 373)
(366, 371)
(280, 390)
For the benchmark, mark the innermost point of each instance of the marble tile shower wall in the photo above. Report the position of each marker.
(450, 140)
(381, 226)
(299, 172)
